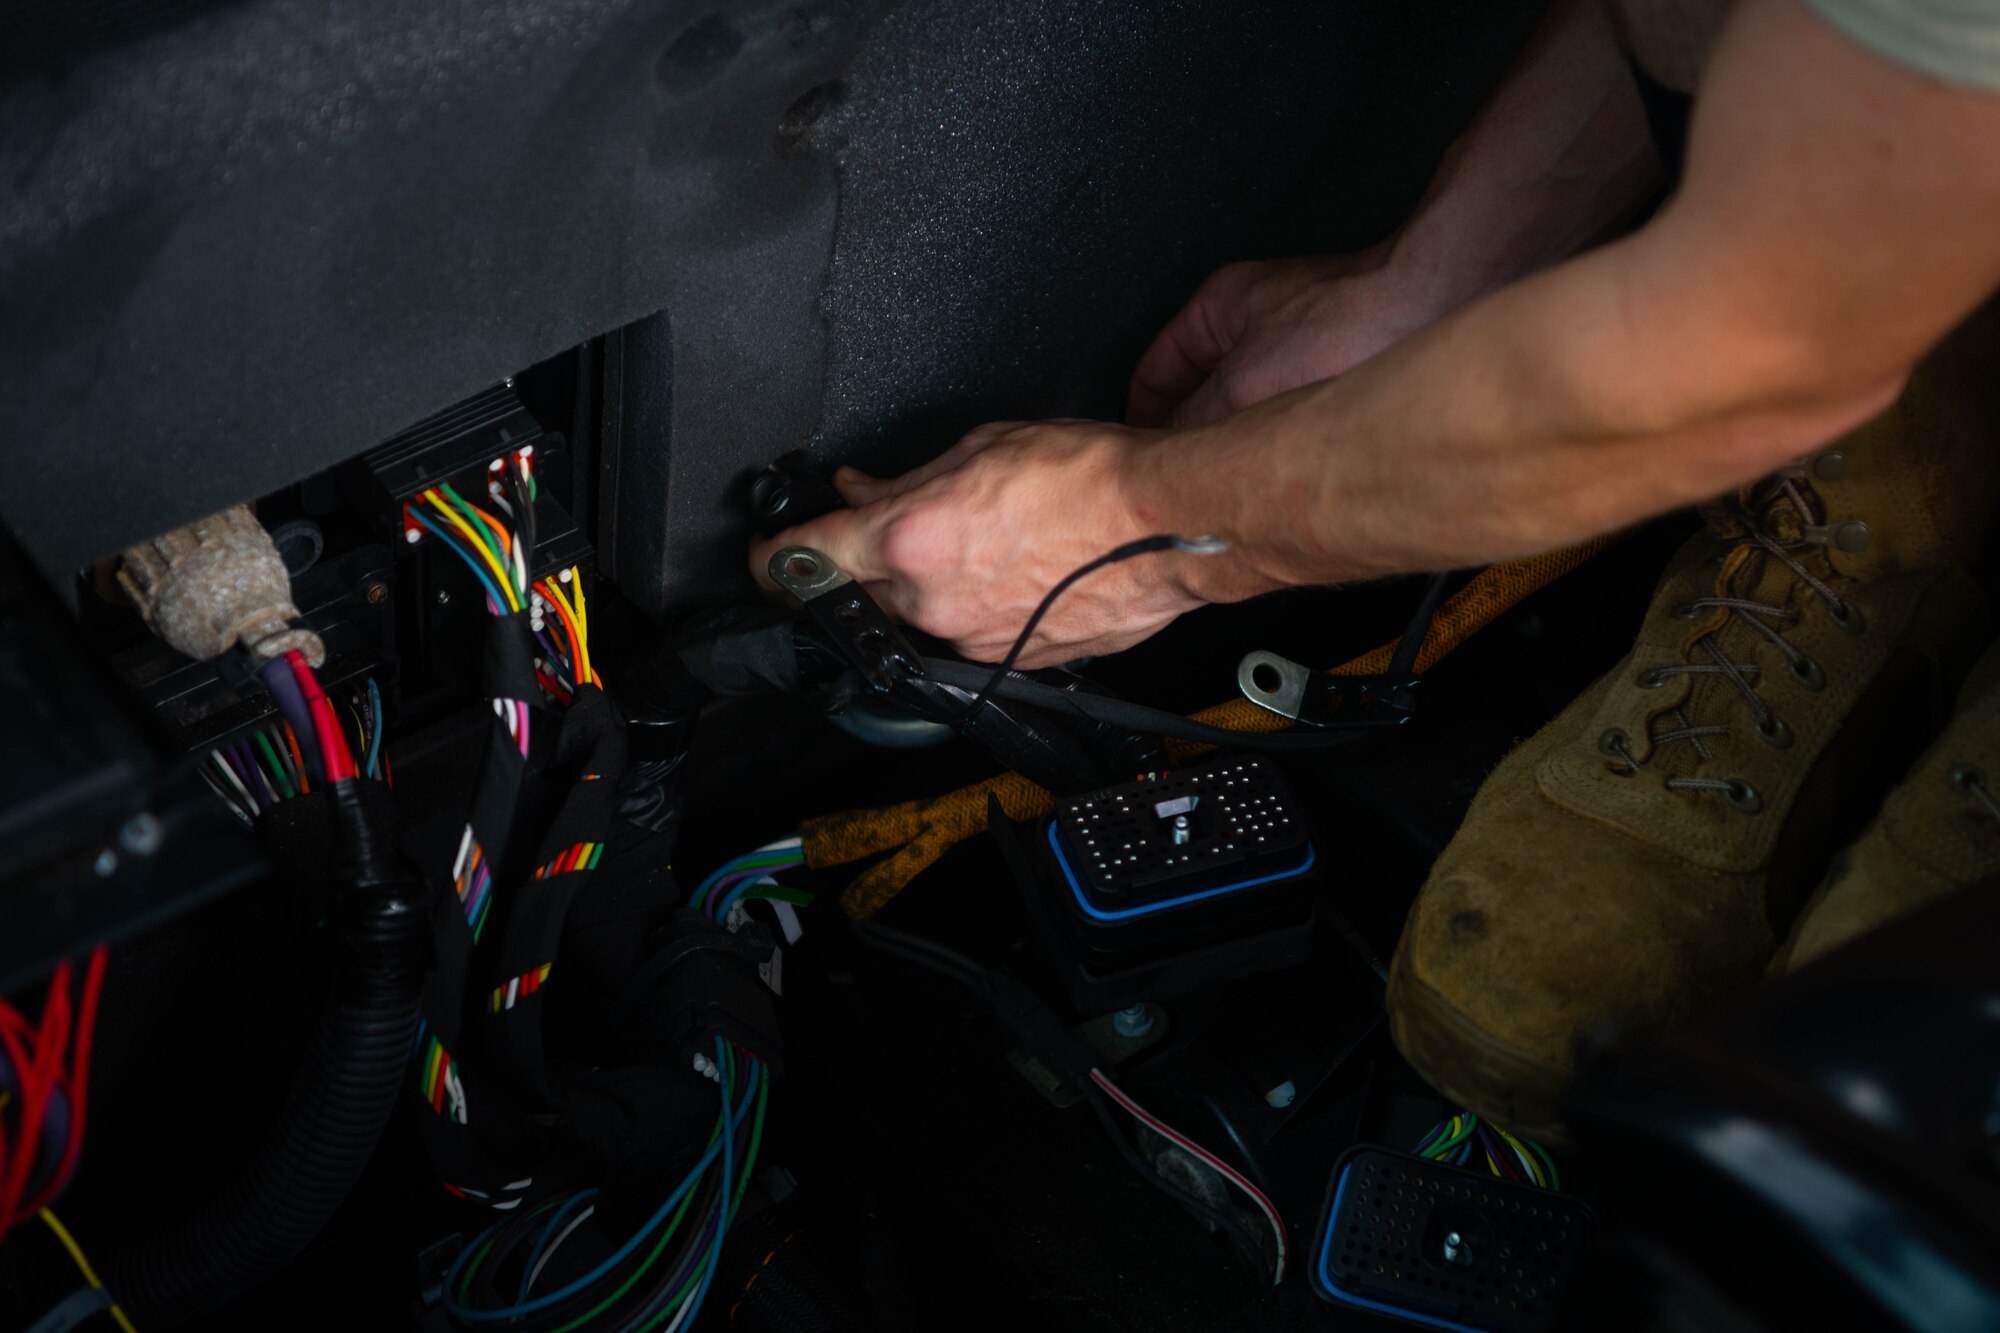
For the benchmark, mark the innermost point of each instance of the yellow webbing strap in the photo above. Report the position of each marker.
(919, 832)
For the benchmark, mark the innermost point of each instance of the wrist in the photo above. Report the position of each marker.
(1166, 484)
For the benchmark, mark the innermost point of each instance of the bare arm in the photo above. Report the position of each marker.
(1838, 217)
(1557, 159)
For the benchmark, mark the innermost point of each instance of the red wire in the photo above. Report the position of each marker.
(37, 1081)
(1235, 1177)
(86, 1028)
(335, 757)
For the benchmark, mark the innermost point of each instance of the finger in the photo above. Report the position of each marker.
(858, 488)
(851, 538)
(1186, 352)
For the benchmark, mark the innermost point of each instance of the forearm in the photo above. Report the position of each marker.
(1542, 415)
(1781, 298)
(1559, 158)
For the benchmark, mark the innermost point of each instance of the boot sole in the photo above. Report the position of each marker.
(1471, 1068)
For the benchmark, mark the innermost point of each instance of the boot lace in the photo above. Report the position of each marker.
(1769, 622)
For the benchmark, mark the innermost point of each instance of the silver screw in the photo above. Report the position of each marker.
(444, 597)
(1181, 831)
(1454, 1249)
(1136, 1021)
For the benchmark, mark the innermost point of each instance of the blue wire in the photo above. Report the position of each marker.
(619, 1256)
(542, 1240)
(471, 562)
(736, 895)
(375, 738)
(728, 1190)
(797, 856)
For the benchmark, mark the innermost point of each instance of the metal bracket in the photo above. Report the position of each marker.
(1316, 699)
(849, 617)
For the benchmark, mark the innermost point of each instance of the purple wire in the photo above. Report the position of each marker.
(253, 774)
(728, 882)
(284, 687)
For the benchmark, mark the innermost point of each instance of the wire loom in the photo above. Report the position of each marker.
(919, 832)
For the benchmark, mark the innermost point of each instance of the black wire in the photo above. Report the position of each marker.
(1220, 1221)
(924, 953)
(1412, 642)
(1125, 714)
(1144, 546)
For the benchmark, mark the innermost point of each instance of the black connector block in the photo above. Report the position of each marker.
(1146, 890)
(1444, 1247)
(702, 983)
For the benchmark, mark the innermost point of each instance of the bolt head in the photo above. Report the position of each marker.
(141, 835)
(378, 593)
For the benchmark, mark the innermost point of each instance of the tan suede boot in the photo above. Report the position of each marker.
(1939, 831)
(1643, 854)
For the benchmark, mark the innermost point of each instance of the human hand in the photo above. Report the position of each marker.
(964, 547)
(1254, 330)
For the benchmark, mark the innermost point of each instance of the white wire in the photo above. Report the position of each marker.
(1223, 1168)
(223, 795)
(555, 1245)
(234, 780)
(686, 1306)
(781, 845)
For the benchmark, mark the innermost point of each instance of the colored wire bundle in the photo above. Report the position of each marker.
(639, 1285)
(488, 546)
(1221, 1168)
(254, 772)
(749, 876)
(564, 635)
(1506, 1156)
(44, 1092)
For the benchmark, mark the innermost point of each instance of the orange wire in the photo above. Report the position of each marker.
(298, 757)
(569, 627)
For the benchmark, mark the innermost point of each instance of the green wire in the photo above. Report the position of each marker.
(1548, 1162)
(277, 769)
(779, 893)
(1438, 1151)
(743, 1187)
(492, 538)
(673, 1226)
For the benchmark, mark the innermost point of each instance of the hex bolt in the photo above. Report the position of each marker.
(1136, 1021)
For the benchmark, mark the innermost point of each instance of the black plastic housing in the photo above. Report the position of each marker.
(1159, 918)
(1382, 1243)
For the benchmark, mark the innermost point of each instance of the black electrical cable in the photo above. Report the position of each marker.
(1405, 659)
(340, 1100)
(924, 953)
(1129, 716)
(1117, 555)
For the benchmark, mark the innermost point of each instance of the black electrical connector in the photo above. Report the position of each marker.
(701, 983)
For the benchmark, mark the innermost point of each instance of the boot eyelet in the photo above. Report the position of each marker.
(1965, 777)
(1744, 797)
(1808, 674)
(1774, 732)
(1846, 615)
(1619, 746)
(1685, 611)
(1651, 679)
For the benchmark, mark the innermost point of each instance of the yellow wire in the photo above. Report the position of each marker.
(83, 1265)
(1527, 1158)
(582, 611)
(582, 644)
(480, 545)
